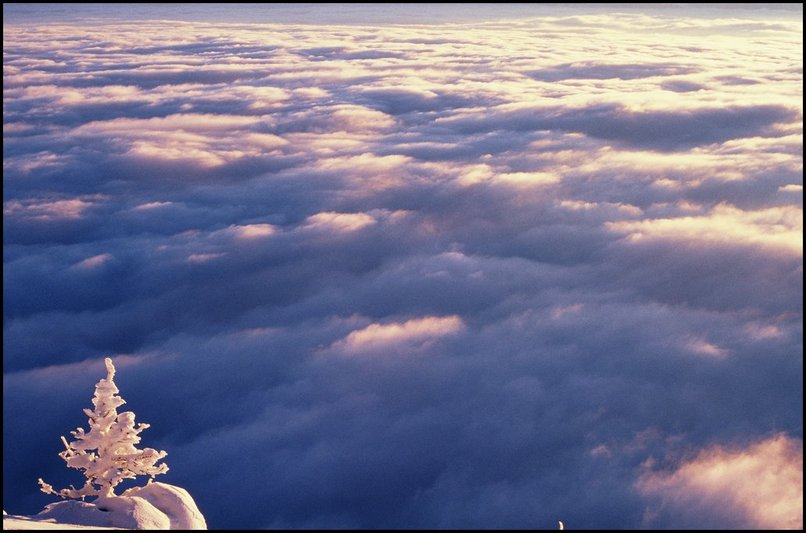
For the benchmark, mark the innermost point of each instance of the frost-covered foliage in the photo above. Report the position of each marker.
(108, 453)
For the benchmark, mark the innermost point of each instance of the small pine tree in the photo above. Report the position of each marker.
(108, 453)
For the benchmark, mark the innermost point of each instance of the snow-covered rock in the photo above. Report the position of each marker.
(126, 513)
(155, 506)
(175, 502)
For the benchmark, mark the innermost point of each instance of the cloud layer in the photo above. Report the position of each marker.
(489, 274)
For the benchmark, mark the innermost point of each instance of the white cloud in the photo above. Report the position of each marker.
(47, 210)
(203, 258)
(704, 348)
(252, 231)
(777, 228)
(762, 483)
(93, 262)
(339, 222)
(379, 336)
(151, 205)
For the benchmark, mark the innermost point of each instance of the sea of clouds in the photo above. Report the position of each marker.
(488, 274)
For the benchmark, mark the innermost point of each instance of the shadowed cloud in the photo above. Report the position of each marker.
(659, 130)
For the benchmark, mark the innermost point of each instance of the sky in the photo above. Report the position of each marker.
(413, 266)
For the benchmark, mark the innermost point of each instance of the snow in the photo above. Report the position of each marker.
(126, 513)
(175, 502)
(155, 506)
(29, 522)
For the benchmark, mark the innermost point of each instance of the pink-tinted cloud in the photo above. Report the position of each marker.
(49, 210)
(93, 262)
(759, 486)
(203, 258)
(704, 348)
(776, 228)
(380, 336)
(339, 222)
(252, 231)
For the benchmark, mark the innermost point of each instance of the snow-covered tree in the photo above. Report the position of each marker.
(108, 454)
